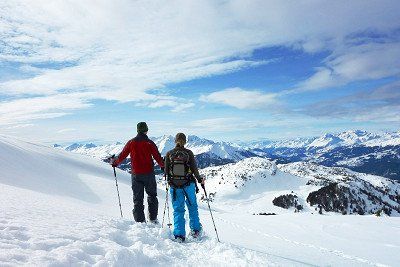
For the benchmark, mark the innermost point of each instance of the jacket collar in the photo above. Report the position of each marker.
(142, 136)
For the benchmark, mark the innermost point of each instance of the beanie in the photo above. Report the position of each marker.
(142, 127)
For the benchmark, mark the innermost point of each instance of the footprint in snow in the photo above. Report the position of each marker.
(120, 238)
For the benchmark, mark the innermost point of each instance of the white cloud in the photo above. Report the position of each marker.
(381, 104)
(362, 62)
(175, 103)
(242, 99)
(26, 109)
(19, 126)
(120, 50)
(66, 130)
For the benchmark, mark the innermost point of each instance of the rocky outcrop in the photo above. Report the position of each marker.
(339, 198)
(287, 201)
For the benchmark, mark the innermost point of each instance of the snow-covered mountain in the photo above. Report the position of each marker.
(61, 209)
(330, 141)
(207, 152)
(358, 150)
(199, 146)
(303, 186)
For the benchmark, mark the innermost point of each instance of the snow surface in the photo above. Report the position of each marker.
(60, 209)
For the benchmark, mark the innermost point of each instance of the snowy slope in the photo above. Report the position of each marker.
(96, 151)
(339, 189)
(60, 209)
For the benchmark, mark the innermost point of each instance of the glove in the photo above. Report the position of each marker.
(202, 181)
(113, 162)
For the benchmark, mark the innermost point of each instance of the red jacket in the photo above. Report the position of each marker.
(142, 151)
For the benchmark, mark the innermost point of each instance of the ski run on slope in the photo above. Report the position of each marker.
(61, 209)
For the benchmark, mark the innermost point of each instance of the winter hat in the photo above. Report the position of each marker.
(142, 127)
(180, 139)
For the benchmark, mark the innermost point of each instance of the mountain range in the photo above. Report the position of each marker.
(361, 151)
(372, 153)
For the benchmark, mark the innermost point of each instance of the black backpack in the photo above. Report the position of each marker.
(179, 174)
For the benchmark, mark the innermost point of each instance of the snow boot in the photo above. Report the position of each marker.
(156, 222)
(195, 233)
(180, 238)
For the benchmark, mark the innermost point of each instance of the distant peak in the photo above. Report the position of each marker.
(90, 145)
(355, 132)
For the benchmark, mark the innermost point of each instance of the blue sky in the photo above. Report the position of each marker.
(72, 71)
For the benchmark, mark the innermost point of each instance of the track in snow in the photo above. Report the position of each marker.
(321, 249)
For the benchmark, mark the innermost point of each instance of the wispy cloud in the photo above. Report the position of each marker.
(26, 109)
(175, 103)
(242, 99)
(66, 130)
(355, 63)
(380, 104)
(19, 126)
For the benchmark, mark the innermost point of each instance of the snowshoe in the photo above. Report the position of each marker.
(153, 223)
(156, 222)
(180, 238)
(195, 233)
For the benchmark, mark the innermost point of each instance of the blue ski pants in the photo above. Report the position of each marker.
(182, 195)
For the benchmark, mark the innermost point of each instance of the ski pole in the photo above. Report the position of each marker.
(209, 208)
(166, 205)
(119, 199)
(169, 219)
(116, 184)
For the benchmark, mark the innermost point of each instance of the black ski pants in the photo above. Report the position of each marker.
(140, 183)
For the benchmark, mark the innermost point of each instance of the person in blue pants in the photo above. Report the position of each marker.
(181, 169)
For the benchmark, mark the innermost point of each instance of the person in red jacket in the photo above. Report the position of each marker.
(142, 152)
